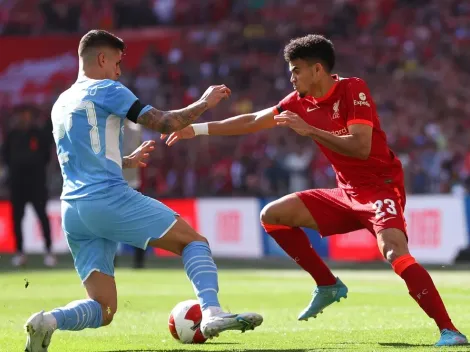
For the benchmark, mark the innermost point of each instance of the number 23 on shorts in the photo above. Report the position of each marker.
(382, 207)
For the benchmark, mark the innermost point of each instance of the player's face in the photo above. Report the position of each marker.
(109, 61)
(304, 75)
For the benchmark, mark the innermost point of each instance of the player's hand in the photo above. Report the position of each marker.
(214, 94)
(185, 133)
(138, 156)
(294, 121)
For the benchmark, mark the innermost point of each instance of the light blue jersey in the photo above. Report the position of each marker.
(88, 121)
(99, 209)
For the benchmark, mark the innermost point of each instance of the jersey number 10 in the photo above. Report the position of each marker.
(63, 124)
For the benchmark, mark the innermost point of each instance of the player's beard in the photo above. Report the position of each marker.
(302, 94)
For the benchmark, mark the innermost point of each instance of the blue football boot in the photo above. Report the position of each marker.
(323, 296)
(451, 338)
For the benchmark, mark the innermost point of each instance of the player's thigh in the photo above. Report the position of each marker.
(288, 211)
(128, 216)
(326, 210)
(102, 288)
(381, 211)
(90, 253)
(178, 237)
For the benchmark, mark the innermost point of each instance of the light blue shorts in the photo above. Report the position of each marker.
(94, 228)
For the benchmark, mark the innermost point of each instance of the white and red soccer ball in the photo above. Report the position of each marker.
(184, 322)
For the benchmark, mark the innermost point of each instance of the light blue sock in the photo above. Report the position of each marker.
(79, 315)
(202, 271)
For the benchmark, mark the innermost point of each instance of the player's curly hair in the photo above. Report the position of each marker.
(312, 47)
(97, 38)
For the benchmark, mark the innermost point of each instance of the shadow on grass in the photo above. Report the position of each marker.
(232, 346)
(402, 345)
(236, 349)
(242, 349)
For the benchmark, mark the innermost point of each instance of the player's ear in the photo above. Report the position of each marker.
(101, 59)
(318, 68)
(314, 70)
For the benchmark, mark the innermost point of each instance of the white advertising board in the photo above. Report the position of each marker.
(231, 226)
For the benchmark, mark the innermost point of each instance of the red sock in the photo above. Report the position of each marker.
(422, 289)
(294, 241)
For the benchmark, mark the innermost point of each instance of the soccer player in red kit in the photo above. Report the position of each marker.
(339, 114)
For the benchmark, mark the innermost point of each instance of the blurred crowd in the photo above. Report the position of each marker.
(414, 55)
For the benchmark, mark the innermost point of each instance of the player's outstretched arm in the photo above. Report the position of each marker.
(175, 120)
(237, 125)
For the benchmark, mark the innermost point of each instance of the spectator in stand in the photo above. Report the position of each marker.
(421, 46)
(26, 152)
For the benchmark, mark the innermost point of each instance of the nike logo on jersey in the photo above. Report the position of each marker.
(312, 109)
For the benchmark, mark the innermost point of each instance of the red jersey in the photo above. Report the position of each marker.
(349, 102)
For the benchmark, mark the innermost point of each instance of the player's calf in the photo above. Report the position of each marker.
(75, 316)
(282, 220)
(101, 288)
(201, 270)
(394, 247)
(96, 311)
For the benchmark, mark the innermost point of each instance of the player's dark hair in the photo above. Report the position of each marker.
(312, 47)
(98, 38)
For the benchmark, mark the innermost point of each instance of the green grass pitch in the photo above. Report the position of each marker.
(378, 315)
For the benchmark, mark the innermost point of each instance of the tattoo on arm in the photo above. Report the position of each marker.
(174, 120)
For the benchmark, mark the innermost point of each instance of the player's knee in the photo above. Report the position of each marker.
(107, 318)
(108, 312)
(179, 236)
(390, 254)
(269, 214)
(193, 236)
(200, 238)
(392, 244)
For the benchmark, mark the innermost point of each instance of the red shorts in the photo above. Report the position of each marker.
(339, 211)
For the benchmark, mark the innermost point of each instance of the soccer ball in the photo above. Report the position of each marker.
(184, 322)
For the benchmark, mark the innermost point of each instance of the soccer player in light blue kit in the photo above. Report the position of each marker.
(99, 209)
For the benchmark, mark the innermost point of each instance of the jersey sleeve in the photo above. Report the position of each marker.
(285, 103)
(359, 103)
(120, 101)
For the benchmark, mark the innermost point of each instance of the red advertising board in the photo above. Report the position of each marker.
(7, 239)
(354, 246)
(186, 208)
